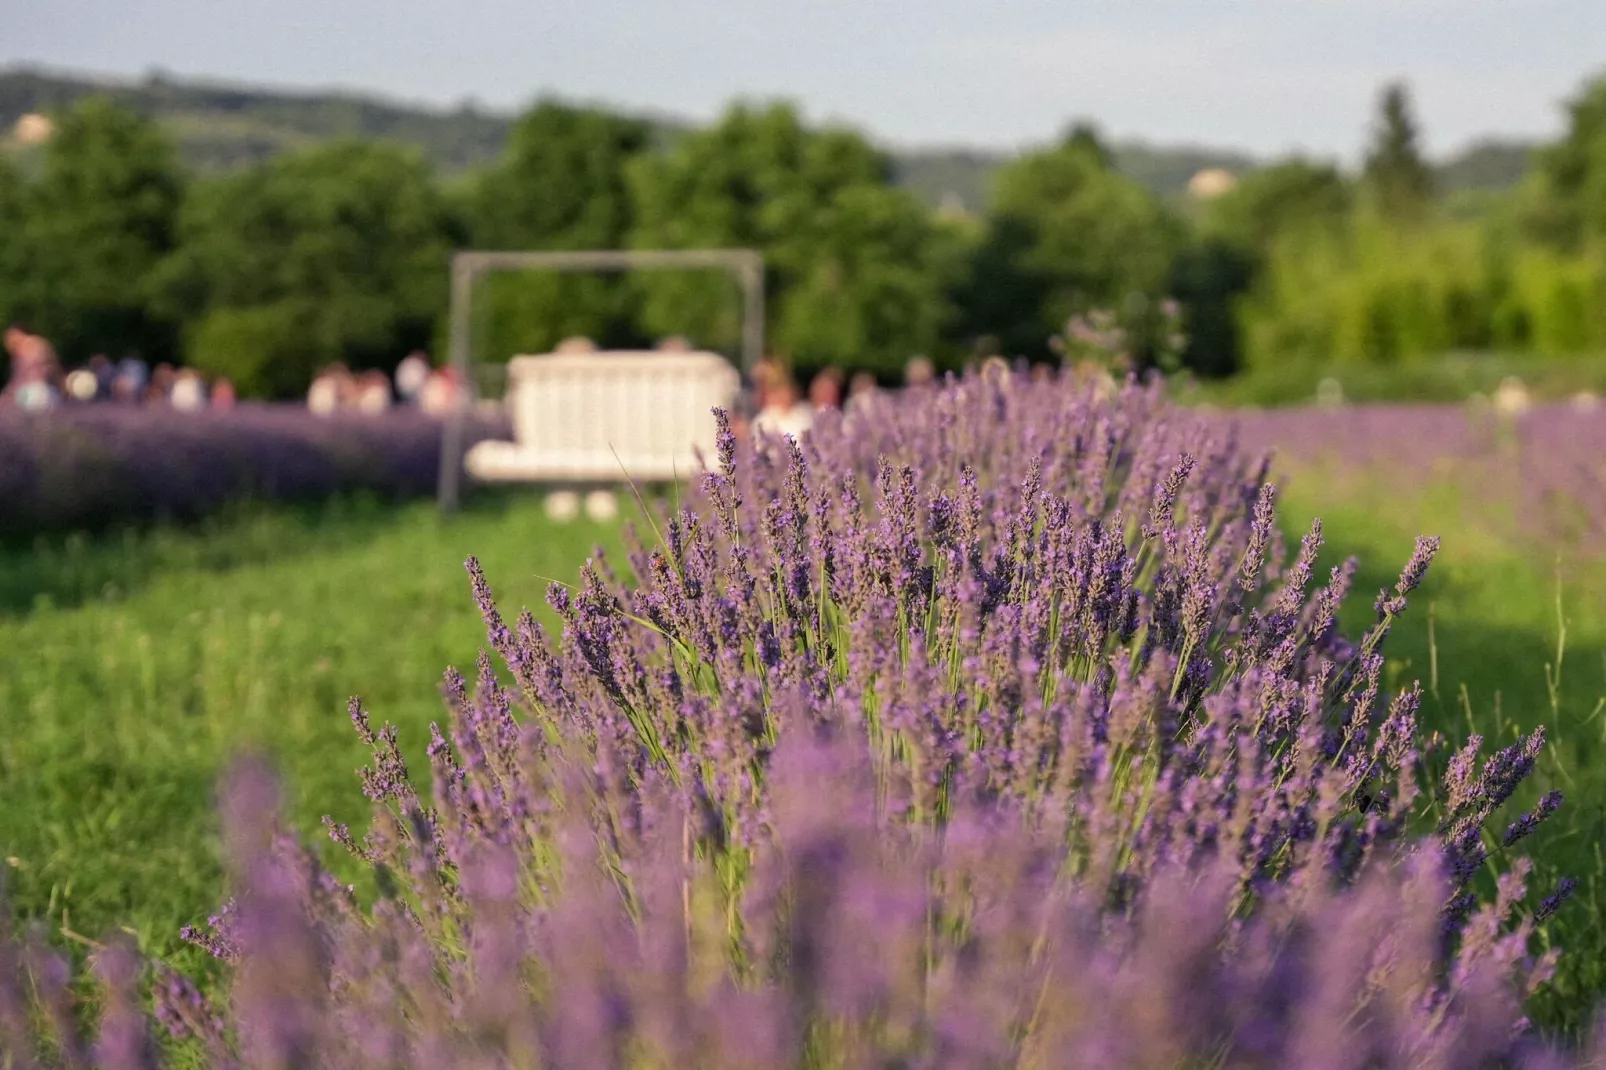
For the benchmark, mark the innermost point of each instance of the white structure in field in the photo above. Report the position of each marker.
(605, 419)
(645, 423)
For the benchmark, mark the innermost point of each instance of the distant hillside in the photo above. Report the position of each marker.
(220, 128)
(1487, 165)
(1166, 170)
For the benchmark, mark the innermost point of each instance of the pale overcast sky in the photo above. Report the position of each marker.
(1268, 76)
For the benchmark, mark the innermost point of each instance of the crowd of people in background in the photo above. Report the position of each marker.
(772, 401)
(38, 381)
(416, 383)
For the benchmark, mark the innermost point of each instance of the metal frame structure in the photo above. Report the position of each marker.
(746, 265)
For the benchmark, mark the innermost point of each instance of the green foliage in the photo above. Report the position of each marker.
(1067, 234)
(13, 256)
(338, 253)
(98, 219)
(1559, 302)
(1573, 211)
(854, 268)
(1208, 277)
(1396, 175)
(560, 185)
(1372, 293)
(132, 669)
(1295, 196)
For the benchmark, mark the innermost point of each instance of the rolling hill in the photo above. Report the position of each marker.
(220, 127)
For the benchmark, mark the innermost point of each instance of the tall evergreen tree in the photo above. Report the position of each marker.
(1399, 178)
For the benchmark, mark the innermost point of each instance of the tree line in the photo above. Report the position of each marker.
(338, 252)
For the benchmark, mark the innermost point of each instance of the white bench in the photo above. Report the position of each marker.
(597, 419)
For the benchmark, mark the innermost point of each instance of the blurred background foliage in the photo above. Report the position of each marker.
(261, 236)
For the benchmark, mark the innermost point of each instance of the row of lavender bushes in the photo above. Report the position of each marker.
(1001, 730)
(90, 467)
(1540, 467)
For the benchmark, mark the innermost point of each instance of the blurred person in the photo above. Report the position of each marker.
(329, 390)
(674, 344)
(864, 395)
(440, 393)
(189, 391)
(373, 392)
(82, 386)
(576, 344)
(222, 397)
(1042, 374)
(37, 395)
(1512, 397)
(750, 395)
(411, 375)
(104, 371)
(129, 381)
(919, 372)
(20, 368)
(825, 390)
(782, 409)
(159, 391)
(36, 381)
(995, 370)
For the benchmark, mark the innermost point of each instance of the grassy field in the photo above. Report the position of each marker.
(130, 668)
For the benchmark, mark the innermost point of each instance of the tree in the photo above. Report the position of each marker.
(1290, 196)
(336, 253)
(560, 185)
(1086, 137)
(854, 268)
(1569, 204)
(1207, 278)
(101, 215)
(1066, 234)
(1400, 180)
(13, 254)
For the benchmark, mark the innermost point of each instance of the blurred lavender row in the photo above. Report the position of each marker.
(1542, 466)
(86, 467)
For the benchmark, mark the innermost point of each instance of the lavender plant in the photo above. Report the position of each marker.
(1001, 730)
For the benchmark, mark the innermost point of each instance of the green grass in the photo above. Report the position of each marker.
(131, 667)
(1484, 637)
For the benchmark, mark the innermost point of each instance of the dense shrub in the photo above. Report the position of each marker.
(994, 728)
(1374, 294)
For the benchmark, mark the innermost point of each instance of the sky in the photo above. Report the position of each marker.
(1265, 76)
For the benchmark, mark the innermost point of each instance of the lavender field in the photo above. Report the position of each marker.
(1537, 474)
(103, 465)
(1018, 727)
